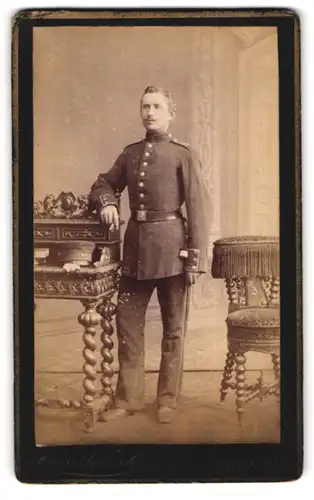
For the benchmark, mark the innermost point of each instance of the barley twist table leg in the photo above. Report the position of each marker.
(89, 319)
(107, 310)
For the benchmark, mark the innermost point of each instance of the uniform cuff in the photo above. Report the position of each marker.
(104, 200)
(192, 259)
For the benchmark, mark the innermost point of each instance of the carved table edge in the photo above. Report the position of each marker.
(90, 271)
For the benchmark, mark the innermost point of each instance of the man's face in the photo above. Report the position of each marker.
(155, 113)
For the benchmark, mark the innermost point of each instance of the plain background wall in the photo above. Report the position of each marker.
(88, 83)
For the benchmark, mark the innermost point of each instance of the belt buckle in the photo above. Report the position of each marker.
(141, 215)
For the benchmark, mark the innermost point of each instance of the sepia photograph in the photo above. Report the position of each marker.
(156, 235)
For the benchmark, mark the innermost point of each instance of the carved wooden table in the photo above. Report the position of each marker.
(77, 258)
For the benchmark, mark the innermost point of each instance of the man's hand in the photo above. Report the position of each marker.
(191, 277)
(110, 215)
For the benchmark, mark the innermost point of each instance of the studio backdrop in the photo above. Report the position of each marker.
(87, 86)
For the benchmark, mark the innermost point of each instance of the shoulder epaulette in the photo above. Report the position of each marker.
(180, 143)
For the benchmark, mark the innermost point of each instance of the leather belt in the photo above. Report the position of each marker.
(154, 216)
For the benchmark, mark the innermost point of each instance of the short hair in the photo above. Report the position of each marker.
(151, 89)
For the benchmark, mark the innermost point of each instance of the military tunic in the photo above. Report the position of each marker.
(161, 175)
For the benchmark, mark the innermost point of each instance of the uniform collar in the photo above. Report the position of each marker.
(158, 136)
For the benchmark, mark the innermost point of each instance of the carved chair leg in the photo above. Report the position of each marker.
(233, 294)
(107, 310)
(276, 364)
(262, 387)
(240, 384)
(227, 374)
(89, 319)
(275, 291)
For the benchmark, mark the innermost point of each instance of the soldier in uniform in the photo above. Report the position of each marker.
(161, 175)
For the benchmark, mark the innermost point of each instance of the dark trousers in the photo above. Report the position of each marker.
(134, 296)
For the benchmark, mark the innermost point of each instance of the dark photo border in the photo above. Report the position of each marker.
(160, 463)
